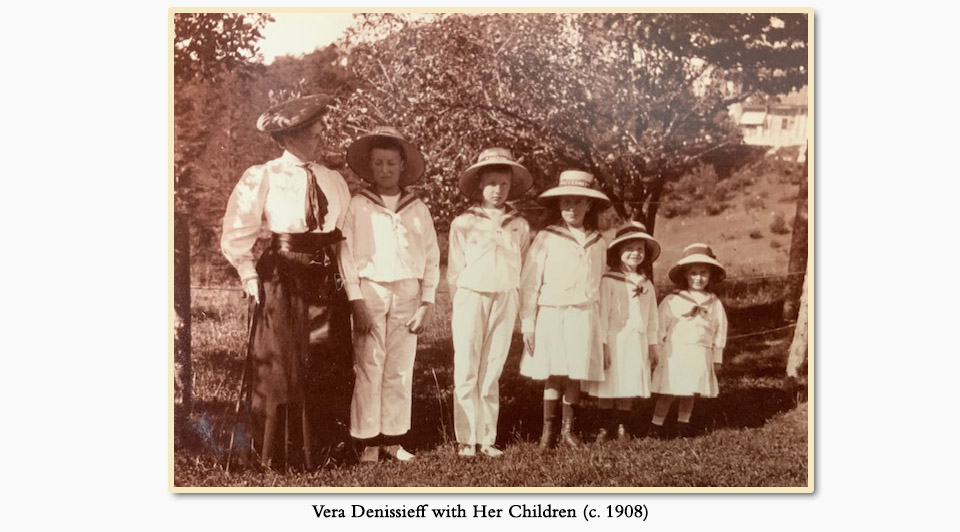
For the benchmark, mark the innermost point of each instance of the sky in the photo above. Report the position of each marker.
(300, 33)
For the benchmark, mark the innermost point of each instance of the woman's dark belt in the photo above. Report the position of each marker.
(305, 242)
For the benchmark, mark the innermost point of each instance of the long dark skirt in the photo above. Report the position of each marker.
(301, 363)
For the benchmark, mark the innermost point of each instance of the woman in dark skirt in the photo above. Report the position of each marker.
(300, 366)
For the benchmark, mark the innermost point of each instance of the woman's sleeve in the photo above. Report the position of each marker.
(343, 195)
(653, 316)
(455, 256)
(531, 279)
(431, 268)
(348, 263)
(720, 340)
(243, 221)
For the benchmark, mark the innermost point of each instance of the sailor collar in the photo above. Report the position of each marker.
(509, 214)
(592, 237)
(406, 199)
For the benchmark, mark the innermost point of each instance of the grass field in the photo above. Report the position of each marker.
(754, 434)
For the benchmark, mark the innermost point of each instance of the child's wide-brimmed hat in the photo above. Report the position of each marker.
(697, 254)
(470, 178)
(576, 183)
(292, 113)
(636, 231)
(358, 155)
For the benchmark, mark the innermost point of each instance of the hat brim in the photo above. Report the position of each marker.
(358, 157)
(293, 114)
(520, 183)
(676, 273)
(572, 190)
(653, 247)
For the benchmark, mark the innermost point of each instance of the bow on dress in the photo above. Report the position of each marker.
(698, 309)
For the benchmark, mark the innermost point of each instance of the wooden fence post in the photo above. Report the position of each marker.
(798, 249)
(183, 367)
(798, 347)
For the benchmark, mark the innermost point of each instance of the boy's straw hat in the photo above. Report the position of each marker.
(697, 254)
(358, 155)
(292, 113)
(636, 231)
(469, 179)
(576, 183)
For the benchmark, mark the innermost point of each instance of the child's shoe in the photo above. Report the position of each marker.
(657, 432)
(684, 430)
(371, 453)
(490, 451)
(397, 452)
(467, 451)
(567, 434)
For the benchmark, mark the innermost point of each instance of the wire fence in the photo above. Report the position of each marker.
(728, 279)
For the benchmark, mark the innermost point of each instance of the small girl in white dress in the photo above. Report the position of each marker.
(629, 327)
(693, 329)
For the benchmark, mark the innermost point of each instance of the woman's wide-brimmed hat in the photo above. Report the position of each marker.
(293, 113)
(358, 155)
(697, 254)
(636, 231)
(469, 179)
(576, 183)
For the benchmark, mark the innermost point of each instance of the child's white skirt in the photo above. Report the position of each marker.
(566, 342)
(629, 372)
(685, 370)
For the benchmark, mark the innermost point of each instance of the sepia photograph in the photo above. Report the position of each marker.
(482, 251)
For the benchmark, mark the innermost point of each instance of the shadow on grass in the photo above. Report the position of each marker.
(751, 393)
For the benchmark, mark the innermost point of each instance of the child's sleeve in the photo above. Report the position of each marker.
(456, 259)
(652, 315)
(666, 320)
(431, 268)
(348, 264)
(531, 279)
(605, 301)
(524, 239)
(720, 340)
(243, 221)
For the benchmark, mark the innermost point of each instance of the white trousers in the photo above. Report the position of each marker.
(383, 360)
(482, 329)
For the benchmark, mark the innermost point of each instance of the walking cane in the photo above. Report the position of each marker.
(251, 327)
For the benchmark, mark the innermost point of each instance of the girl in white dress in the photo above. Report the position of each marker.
(629, 327)
(559, 300)
(693, 329)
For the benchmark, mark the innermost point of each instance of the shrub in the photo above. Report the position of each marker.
(714, 209)
(779, 225)
(756, 234)
(681, 208)
(755, 202)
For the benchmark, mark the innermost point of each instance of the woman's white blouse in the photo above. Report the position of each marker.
(486, 254)
(560, 271)
(384, 245)
(272, 197)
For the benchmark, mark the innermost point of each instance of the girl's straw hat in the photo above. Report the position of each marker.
(520, 183)
(576, 183)
(292, 113)
(358, 155)
(636, 231)
(697, 254)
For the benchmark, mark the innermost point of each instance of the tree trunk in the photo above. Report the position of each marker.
(798, 347)
(650, 217)
(183, 367)
(798, 250)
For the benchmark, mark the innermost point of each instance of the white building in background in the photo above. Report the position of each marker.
(775, 124)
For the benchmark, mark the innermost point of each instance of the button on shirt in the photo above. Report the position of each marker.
(271, 197)
(560, 270)
(486, 254)
(384, 245)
